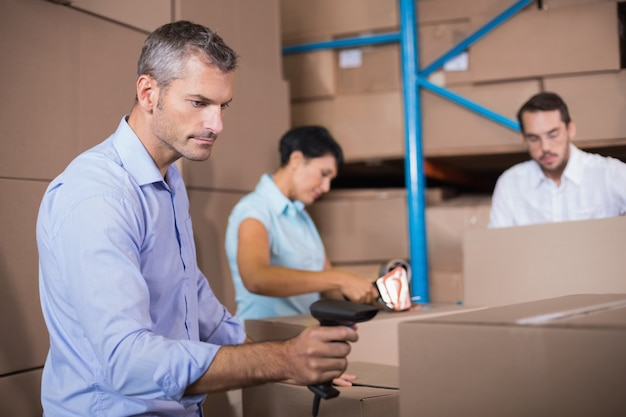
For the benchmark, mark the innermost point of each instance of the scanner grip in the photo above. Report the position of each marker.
(324, 390)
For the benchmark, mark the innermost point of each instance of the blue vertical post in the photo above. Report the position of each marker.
(414, 165)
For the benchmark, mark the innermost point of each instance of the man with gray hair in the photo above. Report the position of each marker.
(134, 327)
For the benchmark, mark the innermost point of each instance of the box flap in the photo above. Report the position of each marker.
(374, 375)
(593, 310)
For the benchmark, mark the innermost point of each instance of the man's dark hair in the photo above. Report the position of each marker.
(545, 101)
(167, 49)
(312, 141)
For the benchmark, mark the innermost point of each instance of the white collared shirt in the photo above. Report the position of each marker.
(592, 187)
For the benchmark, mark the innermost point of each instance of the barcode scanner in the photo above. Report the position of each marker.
(336, 313)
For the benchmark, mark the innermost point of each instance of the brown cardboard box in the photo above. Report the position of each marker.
(325, 19)
(322, 19)
(209, 210)
(568, 360)
(377, 337)
(365, 227)
(376, 68)
(596, 102)
(368, 126)
(130, 13)
(447, 223)
(311, 75)
(445, 286)
(20, 394)
(89, 84)
(362, 225)
(563, 40)
(524, 263)
(374, 395)
(25, 338)
(380, 68)
(359, 121)
(450, 129)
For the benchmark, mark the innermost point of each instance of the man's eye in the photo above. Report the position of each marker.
(196, 103)
(225, 106)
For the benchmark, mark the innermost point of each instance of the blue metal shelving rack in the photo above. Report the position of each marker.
(413, 79)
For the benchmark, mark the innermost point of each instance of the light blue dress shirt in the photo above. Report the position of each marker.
(294, 243)
(132, 320)
(592, 187)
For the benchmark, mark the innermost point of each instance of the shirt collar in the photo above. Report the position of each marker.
(573, 169)
(279, 203)
(135, 158)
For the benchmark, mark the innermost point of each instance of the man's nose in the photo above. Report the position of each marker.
(213, 119)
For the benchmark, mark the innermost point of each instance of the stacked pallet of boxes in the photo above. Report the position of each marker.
(571, 47)
(89, 52)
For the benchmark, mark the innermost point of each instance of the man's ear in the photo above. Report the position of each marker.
(571, 129)
(147, 92)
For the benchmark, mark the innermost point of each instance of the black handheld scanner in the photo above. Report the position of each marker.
(341, 313)
(336, 313)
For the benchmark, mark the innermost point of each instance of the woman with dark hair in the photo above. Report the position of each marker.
(276, 256)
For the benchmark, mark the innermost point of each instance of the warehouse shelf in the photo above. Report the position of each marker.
(415, 168)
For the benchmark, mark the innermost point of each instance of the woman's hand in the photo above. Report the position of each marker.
(344, 380)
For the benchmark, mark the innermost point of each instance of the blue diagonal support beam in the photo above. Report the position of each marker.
(475, 107)
(474, 37)
(344, 43)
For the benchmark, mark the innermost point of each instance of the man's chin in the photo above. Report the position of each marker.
(199, 157)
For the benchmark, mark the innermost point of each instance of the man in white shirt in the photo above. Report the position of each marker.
(560, 182)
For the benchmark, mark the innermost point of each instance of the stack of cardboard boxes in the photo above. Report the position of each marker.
(571, 47)
(552, 356)
(71, 74)
(568, 47)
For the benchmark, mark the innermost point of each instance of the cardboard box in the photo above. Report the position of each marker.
(446, 225)
(525, 263)
(210, 210)
(363, 225)
(323, 19)
(368, 69)
(130, 13)
(375, 394)
(380, 69)
(359, 121)
(445, 286)
(471, 133)
(89, 84)
(556, 357)
(562, 40)
(311, 75)
(377, 337)
(597, 103)
(20, 394)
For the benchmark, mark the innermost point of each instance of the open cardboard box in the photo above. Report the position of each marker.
(378, 338)
(555, 357)
(526, 263)
(375, 393)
